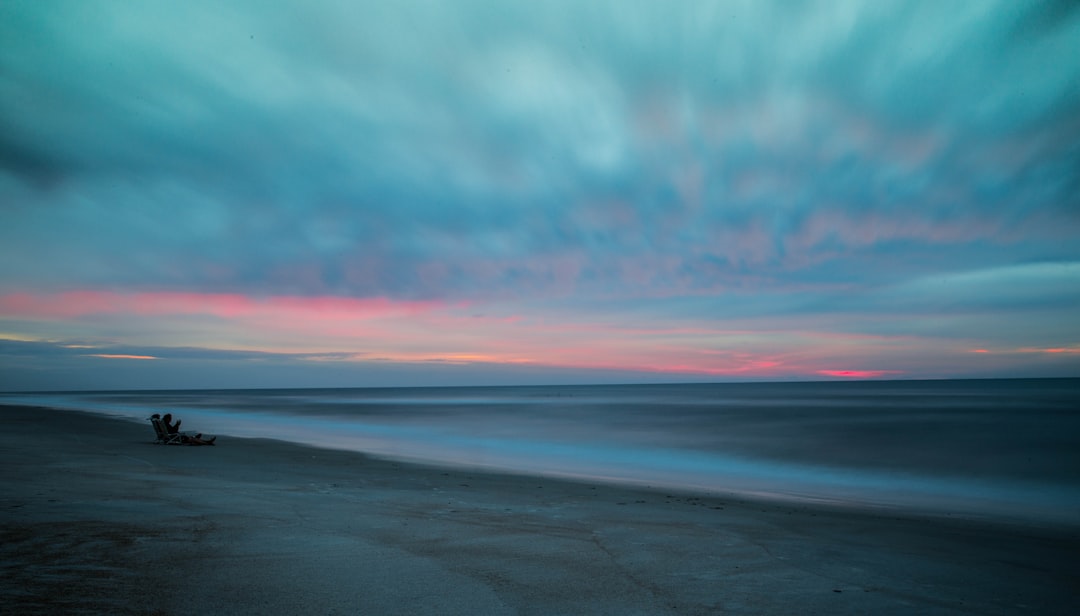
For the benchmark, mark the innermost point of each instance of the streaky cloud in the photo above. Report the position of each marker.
(887, 180)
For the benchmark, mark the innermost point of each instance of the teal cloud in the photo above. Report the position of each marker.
(422, 149)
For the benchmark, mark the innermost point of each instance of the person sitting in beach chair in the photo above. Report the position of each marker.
(172, 428)
(169, 432)
(163, 436)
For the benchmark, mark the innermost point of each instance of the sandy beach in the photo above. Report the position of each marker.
(96, 519)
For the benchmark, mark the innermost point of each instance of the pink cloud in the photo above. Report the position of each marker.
(1032, 351)
(1052, 351)
(81, 303)
(858, 374)
(861, 230)
(335, 329)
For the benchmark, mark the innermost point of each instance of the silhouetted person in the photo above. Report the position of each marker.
(174, 428)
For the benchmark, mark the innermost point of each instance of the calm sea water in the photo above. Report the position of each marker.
(992, 448)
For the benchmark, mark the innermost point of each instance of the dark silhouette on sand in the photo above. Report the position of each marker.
(174, 428)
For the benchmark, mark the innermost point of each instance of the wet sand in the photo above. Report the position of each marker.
(94, 518)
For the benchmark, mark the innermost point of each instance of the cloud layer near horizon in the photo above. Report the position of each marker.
(843, 171)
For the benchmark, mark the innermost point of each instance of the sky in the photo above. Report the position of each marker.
(252, 193)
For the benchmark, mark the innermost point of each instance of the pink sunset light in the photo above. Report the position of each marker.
(358, 330)
(82, 303)
(857, 374)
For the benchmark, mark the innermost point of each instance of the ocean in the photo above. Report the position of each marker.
(982, 448)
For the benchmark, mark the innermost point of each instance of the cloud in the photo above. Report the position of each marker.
(303, 156)
(81, 303)
(1035, 286)
(858, 374)
(695, 161)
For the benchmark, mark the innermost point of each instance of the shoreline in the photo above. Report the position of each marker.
(1034, 499)
(97, 517)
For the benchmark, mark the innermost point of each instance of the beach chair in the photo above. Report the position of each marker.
(163, 436)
